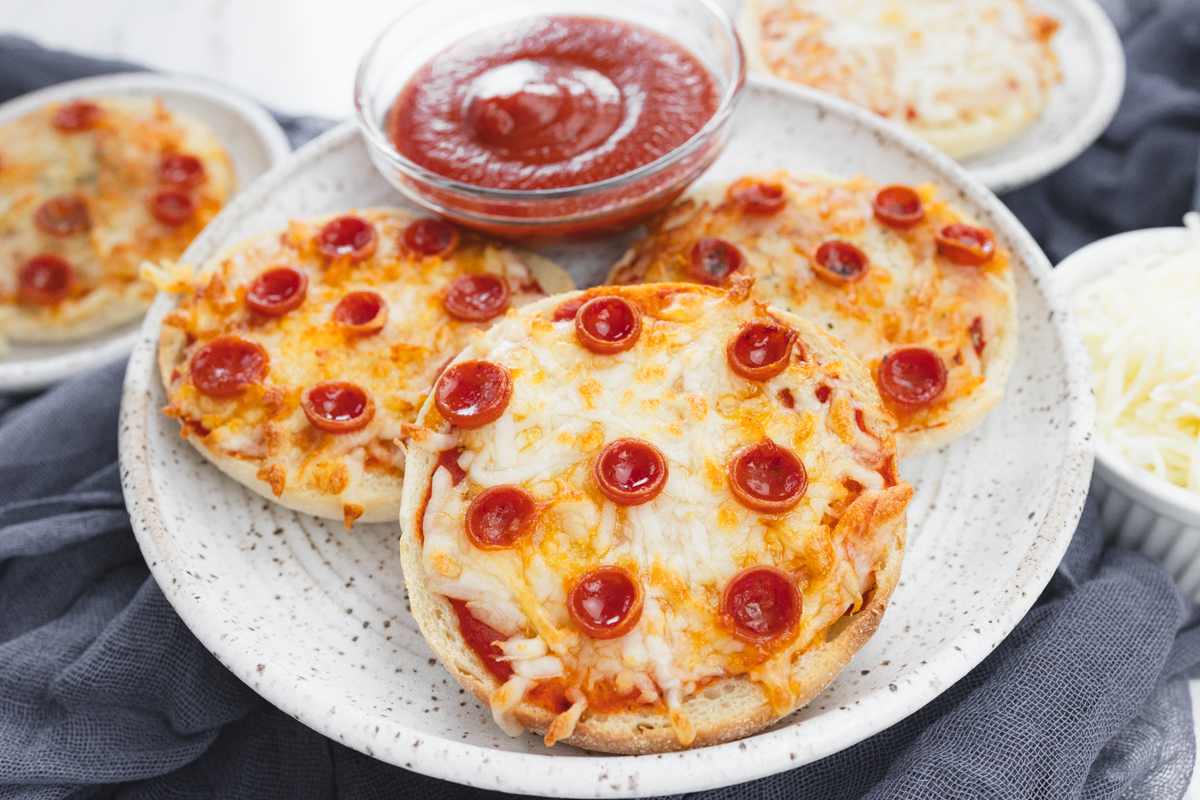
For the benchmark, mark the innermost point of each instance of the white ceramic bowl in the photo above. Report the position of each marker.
(315, 619)
(250, 135)
(1138, 509)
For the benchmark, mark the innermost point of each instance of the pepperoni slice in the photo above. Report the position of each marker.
(976, 333)
(347, 236)
(760, 350)
(606, 602)
(227, 366)
(767, 478)
(712, 261)
(45, 280)
(477, 298)
(431, 237)
(569, 309)
(473, 393)
(76, 116)
(758, 198)
(630, 471)
(761, 603)
(912, 377)
(338, 406)
(179, 169)
(171, 207)
(898, 207)
(840, 262)
(361, 313)
(608, 325)
(499, 516)
(62, 216)
(277, 291)
(966, 245)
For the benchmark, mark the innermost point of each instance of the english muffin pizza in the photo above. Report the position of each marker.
(966, 75)
(295, 358)
(88, 190)
(921, 294)
(640, 518)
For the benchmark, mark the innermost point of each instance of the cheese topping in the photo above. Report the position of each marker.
(937, 66)
(910, 295)
(266, 425)
(673, 389)
(1141, 323)
(111, 172)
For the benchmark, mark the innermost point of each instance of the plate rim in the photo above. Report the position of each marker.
(86, 354)
(629, 776)
(1024, 170)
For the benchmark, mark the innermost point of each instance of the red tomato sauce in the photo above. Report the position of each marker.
(482, 638)
(552, 102)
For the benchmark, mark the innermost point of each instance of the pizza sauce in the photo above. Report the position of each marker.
(552, 102)
(555, 103)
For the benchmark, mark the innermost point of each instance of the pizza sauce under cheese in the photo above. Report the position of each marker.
(917, 294)
(307, 351)
(90, 189)
(645, 490)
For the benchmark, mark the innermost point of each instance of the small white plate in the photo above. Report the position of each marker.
(1139, 509)
(253, 139)
(315, 619)
(1093, 69)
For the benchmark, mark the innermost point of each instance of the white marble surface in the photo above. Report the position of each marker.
(296, 56)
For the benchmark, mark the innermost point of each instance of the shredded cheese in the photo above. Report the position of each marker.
(1141, 323)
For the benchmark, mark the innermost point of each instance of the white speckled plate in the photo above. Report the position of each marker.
(315, 619)
(254, 141)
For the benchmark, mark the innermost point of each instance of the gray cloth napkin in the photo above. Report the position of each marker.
(105, 693)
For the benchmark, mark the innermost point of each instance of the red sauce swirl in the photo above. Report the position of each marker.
(551, 102)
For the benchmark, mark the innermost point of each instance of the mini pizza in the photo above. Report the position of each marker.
(647, 517)
(88, 190)
(966, 75)
(295, 358)
(922, 295)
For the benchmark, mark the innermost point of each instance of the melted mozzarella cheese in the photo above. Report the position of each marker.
(1141, 323)
(396, 366)
(934, 65)
(675, 390)
(908, 296)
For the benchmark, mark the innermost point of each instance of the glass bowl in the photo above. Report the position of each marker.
(584, 211)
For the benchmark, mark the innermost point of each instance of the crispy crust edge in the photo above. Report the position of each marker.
(729, 709)
(378, 497)
(1003, 348)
